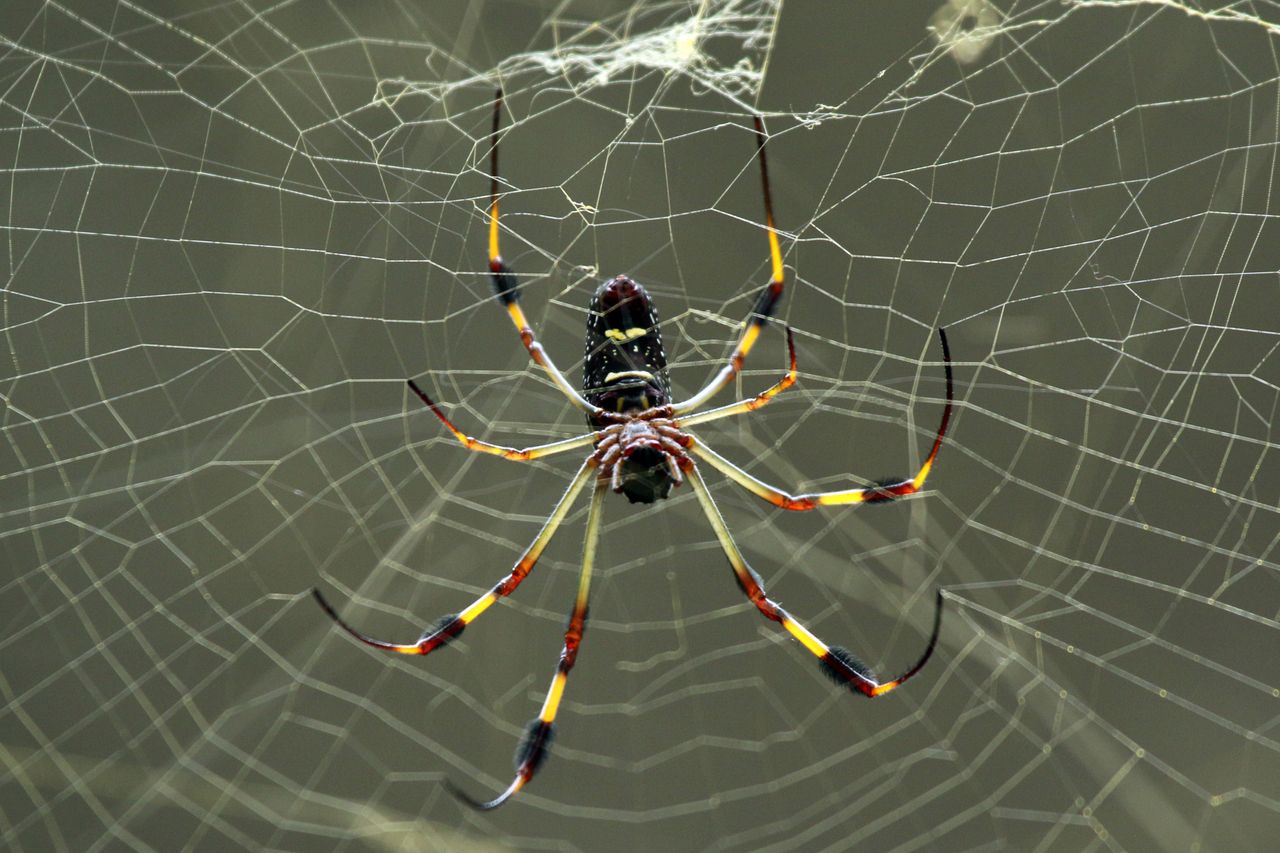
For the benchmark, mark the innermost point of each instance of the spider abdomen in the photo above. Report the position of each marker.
(625, 367)
(642, 454)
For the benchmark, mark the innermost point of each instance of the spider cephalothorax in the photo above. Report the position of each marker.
(642, 447)
(642, 454)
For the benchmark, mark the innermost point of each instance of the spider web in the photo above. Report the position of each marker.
(232, 230)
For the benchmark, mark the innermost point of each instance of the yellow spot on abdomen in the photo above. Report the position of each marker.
(622, 336)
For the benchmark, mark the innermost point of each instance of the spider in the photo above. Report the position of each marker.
(642, 448)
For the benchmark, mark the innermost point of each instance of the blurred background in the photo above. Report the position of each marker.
(232, 230)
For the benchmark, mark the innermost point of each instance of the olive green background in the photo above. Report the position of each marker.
(232, 231)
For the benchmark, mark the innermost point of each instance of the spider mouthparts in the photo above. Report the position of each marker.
(644, 475)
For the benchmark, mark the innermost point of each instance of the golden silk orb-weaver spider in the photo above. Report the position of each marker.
(641, 446)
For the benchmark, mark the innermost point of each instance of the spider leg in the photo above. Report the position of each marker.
(450, 626)
(497, 449)
(766, 301)
(504, 282)
(541, 729)
(837, 662)
(878, 493)
(751, 403)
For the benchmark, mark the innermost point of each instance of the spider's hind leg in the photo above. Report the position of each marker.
(447, 628)
(837, 662)
(533, 748)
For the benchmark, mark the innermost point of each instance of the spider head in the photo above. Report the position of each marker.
(644, 474)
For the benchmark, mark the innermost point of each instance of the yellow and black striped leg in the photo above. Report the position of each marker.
(450, 626)
(517, 454)
(540, 730)
(751, 403)
(766, 301)
(504, 283)
(881, 492)
(837, 662)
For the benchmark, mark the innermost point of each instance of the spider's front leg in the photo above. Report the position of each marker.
(751, 403)
(518, 454)
(505, 288)
(766, 300)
